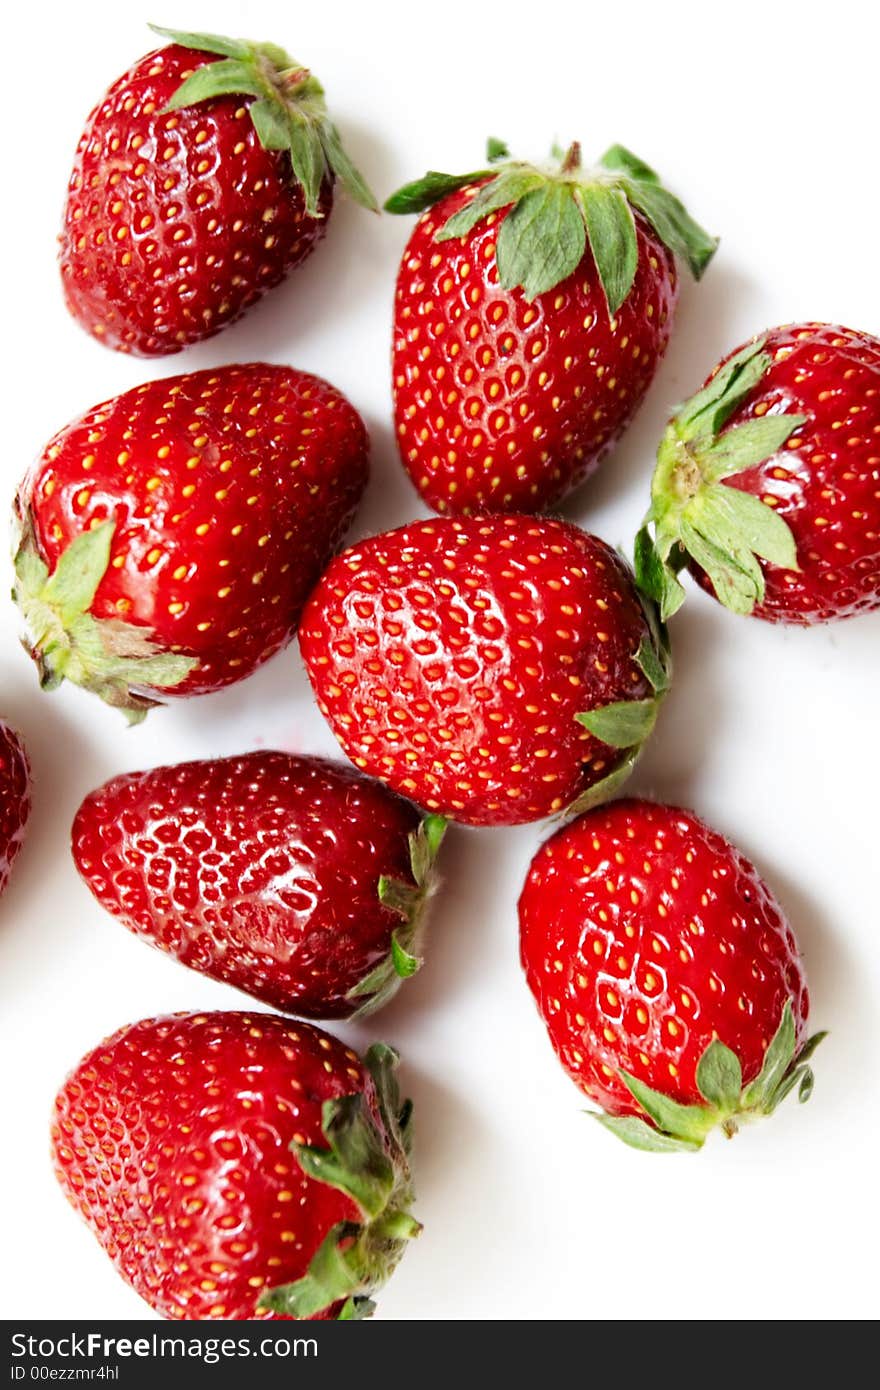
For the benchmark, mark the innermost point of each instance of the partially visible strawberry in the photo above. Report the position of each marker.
(293, 878)
(533, 307)
(767, 484)
(169, 537)
(15, 798)
(197, 185)
(239, 1166)
(493, 670)
(667, 975)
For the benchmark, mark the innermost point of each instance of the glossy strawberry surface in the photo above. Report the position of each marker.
(451, 659)
(506, 405)
(229, 489)
(645, 935)
(172, 1139)
(176, 221)
(825, 481)
(261, 870)
(15, 798)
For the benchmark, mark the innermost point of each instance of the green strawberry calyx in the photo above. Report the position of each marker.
(555, 211)
(410, 902)
(626, 725)
(695, 514)
(368, 1159)
(288, 110)
(671, 1127)
(115, 659)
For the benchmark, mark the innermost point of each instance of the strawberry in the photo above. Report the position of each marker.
(197, 185)
(666, 973)
(493, 670)
(170, 536)
(15, 798)
(237, 1166)
(767, 484)
(533, 308)
(293, 878)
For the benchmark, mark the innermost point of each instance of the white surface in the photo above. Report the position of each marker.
(767, 127)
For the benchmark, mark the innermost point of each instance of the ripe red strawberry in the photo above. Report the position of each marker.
(492, 669)
(533, 308)
(293, 878)
(237, 1166)
(15, 798)
(170, 536)
(197, 185)
(666, 973)
(767, 485)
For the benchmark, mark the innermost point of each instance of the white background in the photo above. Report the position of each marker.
(764, 118)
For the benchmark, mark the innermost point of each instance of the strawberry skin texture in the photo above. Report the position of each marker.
(172, 1139)
(451, 658)
(230, 489)
(15, 798)
(645, 935)
(825, 482)
(502, 405)
(176, 222)
(260, 870)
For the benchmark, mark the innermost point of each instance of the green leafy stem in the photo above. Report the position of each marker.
(409, 901)
(289, 112)
(671, 1127)
(694, 512)
(367, 1156)
(555, 212)
(115, 659)
(626, 725)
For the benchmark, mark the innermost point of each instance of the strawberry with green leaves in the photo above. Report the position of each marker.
(169, 537)
(667, 975)
(767, 485)
(533, 307)
(293, 878)
(203, 176)
(239, 1165)
(494, 670)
